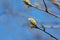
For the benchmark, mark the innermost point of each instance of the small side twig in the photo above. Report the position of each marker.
(46, 32)
(46, 10)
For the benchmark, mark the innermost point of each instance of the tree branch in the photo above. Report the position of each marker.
(45, 32)
(46, 10)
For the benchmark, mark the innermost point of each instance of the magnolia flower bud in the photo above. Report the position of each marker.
(32, 21)
(27, 2)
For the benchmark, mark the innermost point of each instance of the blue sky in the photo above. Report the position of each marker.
(14, 26)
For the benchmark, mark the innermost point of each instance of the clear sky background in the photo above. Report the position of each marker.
(14, 24)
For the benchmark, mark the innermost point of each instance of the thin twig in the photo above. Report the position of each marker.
(47, 11)
(46, 32)
(45, 6)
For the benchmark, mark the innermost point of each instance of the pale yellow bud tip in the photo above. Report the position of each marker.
(29, 18)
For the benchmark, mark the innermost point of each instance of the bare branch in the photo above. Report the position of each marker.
(45, 32)
(47, 11)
